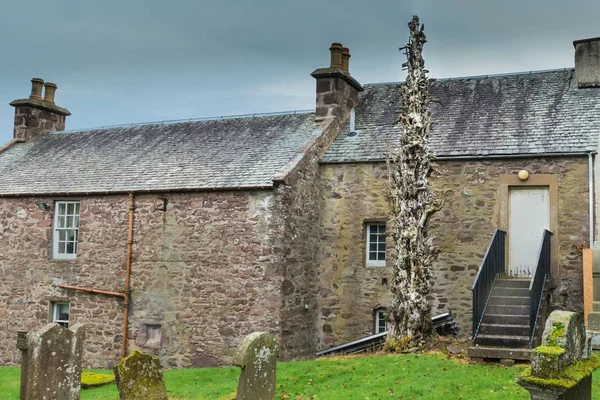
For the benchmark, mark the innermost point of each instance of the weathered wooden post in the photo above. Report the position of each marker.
(51, 362)
(138, 376)
(594, 315)
(257, 356)
(561, 368)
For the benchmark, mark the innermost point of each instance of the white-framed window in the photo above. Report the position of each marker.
(375, 244)
(60, 314)
(66, 229)
(380, 321)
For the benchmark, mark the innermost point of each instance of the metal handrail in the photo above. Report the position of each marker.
(493, 264)
(538, 279)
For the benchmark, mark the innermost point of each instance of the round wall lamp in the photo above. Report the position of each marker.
(523, 175)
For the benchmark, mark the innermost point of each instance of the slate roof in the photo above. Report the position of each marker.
(517, 114)
(223, 153)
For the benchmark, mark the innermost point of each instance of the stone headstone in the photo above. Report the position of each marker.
(51, 362)
(566, 329)
(552, 374)
(257, 356)
(138, 376)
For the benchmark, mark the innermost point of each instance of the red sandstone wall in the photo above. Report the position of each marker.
(203, 270)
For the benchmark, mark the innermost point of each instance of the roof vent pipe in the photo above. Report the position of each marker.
(352, 120)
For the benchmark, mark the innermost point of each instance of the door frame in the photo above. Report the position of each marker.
(535, 180)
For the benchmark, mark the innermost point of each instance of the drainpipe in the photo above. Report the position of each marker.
(127, 291)
(591, 194)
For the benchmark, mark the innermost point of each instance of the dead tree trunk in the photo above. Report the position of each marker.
(411, 201)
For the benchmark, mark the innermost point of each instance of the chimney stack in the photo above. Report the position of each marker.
(337, 91)
(35, 116)
(587, 62)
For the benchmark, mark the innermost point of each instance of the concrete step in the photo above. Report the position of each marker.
(502, 340)
(513, 283)
(504, 329)
(507, 310)
(508, 300)
(510, 291)
(495, 353)
(490, 318)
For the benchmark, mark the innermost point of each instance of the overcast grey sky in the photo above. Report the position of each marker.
(124, 61)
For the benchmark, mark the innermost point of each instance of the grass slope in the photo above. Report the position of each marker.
(374, 377)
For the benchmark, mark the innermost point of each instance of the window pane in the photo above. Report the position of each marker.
(381, 256)
(381, 228)
(373, 238)
(61, 208)
(70, 248)
(62, 235)
(373, 247)
(69, 222)
(372, 255)
(77, 208)
(63, 311)
(70, 208)
(381, 247)
(74, 247)
(71, 235)
(61, 247)
(76, 225)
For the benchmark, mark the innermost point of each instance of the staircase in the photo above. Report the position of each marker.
(505, 322)
(506, 309)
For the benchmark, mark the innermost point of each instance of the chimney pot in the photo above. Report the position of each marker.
(36, 89)
(336, 50)
(346, 60)
(50, 89)
(587, 62)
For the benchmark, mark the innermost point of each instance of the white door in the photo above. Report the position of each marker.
(529, 215)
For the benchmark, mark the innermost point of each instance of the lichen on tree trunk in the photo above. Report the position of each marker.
(412, 202)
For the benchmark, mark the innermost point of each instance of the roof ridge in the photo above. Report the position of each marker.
(541, 71)
(175, 121)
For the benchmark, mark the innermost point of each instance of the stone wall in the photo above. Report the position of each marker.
(355, 193)
(204, 270)
(30, 121)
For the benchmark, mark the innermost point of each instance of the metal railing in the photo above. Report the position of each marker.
(492, 265)
(536, 287)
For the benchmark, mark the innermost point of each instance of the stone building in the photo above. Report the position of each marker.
(277, 222)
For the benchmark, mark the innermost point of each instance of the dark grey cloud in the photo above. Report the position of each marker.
(131, 61)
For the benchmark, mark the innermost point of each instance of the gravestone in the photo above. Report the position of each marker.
(257, 356)
(562, 367)
(51, 362)
(138, 376)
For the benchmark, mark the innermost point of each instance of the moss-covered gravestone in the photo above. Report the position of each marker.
(51, 362)
(138, 376)
(257, 356)
(561, 368)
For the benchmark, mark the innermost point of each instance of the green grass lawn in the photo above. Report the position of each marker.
(373, 377)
